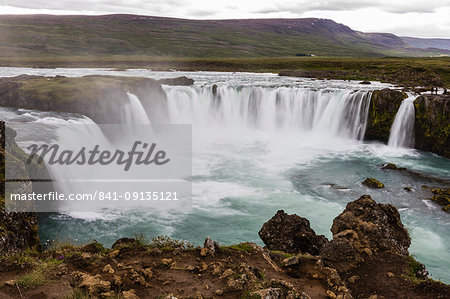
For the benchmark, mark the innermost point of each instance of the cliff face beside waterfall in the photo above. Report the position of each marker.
(432, 119)
(97, 97)
(18, 231)
(383, 108)
(432, 126)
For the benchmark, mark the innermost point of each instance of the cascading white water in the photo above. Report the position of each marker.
(336, 112)
(133, 112)
(248, 174)
(68, 135)
(402, 130)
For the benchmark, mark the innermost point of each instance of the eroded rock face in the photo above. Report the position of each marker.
(341, 254)
(291, 234)
(432, 124)
(383, 108)
(18, 231)
(372, 227)
(97, 97)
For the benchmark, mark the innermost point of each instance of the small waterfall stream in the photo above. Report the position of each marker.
(402, 130)
(133, 112)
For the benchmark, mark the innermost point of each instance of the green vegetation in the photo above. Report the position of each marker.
(22, 259)
(77, 293)
(413, 272)
(39, 275)
(424, 71)
(284, 255)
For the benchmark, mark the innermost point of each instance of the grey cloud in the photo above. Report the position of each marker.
(277, 6)
(112, 6)
(202, 12)
(190, 9)
(299, 7)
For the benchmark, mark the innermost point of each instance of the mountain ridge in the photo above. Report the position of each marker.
(123, 34)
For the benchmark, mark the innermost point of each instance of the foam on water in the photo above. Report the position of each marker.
(264, 143)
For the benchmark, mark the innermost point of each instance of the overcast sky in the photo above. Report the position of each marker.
(420, 18)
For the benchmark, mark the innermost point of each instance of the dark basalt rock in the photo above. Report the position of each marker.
(384, 105)
(182, 81)
(291, 234)
(341, 254)
(214, 90)
(392, 166)
(211, 246)
(432, 124)
(376, 227)
(18, 231)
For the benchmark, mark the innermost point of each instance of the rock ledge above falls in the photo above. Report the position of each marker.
(97, 97)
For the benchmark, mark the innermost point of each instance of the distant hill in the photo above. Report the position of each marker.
(423, 43)
(49, 35)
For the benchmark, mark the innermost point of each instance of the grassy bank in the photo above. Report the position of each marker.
(406, 71)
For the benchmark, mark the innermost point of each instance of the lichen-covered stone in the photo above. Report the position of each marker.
(377, 227)
(441, 197)
(373, 183)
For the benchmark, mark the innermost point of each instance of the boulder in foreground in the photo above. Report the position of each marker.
(291, 234)
(372, 225)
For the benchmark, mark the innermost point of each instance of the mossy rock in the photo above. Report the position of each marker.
(373, 183)
(383, 108)
(441, 197)
(432, 124)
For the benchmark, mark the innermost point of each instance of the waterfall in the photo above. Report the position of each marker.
(75, 133)
(336, 112)
(402, 130)
(133, 112)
